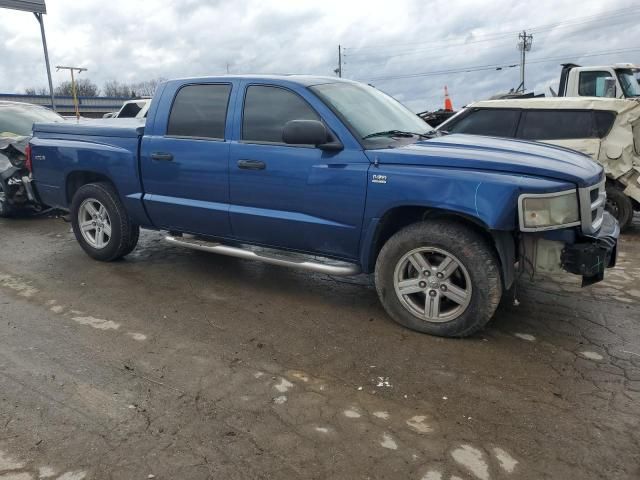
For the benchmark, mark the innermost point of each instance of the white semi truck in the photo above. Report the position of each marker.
(612, 81)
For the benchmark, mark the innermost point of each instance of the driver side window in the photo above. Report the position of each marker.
(593, 84)
(266, 111)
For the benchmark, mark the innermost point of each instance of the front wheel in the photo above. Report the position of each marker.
(439, 277)
(101, 223)
(620, 206)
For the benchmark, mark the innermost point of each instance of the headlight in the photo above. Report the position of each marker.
(548, 211)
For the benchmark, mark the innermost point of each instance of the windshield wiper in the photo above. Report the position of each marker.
(396, 133)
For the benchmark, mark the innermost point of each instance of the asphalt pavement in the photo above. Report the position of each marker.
(178, 364)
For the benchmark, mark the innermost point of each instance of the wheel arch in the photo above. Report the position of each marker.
(397, 218)
(79, 178)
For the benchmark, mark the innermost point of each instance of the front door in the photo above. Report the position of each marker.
(295, 197)
(186, 169)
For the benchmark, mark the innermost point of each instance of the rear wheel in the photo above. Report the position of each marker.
(439, 277)
(620, 206)
(101, 223)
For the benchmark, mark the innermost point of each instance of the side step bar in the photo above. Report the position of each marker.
(274, 257)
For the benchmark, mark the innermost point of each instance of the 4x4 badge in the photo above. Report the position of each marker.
(379, 179)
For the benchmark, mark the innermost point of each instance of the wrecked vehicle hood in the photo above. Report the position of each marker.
(12, 148)
(495, 154)
(620, 148)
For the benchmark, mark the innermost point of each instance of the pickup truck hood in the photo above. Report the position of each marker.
(495, 154)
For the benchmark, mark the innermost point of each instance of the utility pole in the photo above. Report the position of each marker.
(73, 85)
(338, 70)
(524, 45)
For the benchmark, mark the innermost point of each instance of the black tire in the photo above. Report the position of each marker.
(133, 241)
(6, 210)
(620, 206)
(124, 234)
(469, 248)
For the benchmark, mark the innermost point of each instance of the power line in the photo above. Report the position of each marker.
(421, 50)
(384, 59)
(624, 13)
(479, 68)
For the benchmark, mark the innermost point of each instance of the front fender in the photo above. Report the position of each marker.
(488, 199)
(491, 198)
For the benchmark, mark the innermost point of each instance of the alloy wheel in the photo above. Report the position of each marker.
(432, 284)
(94, 223)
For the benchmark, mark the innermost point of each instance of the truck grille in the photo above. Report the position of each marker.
(592, 202)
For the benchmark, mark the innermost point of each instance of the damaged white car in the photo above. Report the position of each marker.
(606, 129)
(16, 122)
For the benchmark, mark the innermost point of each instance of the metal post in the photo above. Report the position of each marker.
(524, 45)
(339, 61)
(46, 58)
(522, 60)
(73, 85)
(75, 96)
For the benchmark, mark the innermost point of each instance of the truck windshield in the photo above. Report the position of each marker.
(629, 83)
(369, 112)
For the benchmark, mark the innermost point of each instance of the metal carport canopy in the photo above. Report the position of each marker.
(36, 6)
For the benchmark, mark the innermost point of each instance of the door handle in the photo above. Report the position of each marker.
(162, 156)
(251, 165)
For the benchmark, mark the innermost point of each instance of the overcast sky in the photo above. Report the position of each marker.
(133, 41)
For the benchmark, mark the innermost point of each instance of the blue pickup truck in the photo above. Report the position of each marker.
(332, 176)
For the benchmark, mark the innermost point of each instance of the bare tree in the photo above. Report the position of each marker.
(84, 88)
(147, 88)
(113, 88)
(36, 91)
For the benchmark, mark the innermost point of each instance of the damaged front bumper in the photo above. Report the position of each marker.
(572, 251)
(592, 254)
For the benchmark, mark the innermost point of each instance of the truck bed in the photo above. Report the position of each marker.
(108, 127)
(96, 149)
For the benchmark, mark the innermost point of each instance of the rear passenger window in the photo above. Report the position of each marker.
(556, 125)
(604, 122)
(268, 109)
(493, 122)
(199, 111)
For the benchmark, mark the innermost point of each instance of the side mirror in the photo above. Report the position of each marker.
(610, 87)
(305, 132)
(606, 87)
(309, 132)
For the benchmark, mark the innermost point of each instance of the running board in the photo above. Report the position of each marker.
(274, 257)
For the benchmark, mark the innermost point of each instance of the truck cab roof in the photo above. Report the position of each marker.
(304, 80)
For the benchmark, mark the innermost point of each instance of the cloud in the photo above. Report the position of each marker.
(134, 41)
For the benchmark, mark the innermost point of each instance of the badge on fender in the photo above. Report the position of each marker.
(379, 179)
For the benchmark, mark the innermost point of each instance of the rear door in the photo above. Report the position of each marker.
(575, 129)
(293, 196)
(185, 163)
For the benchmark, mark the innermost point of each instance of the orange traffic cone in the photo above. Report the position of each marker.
(448, 106)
